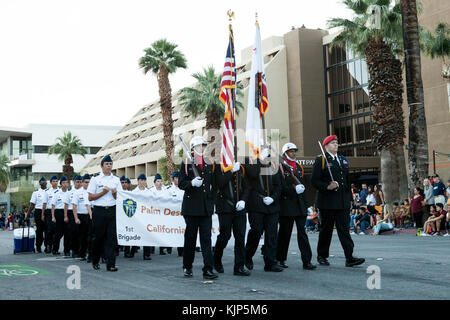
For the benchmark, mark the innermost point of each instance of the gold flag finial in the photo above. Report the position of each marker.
(230, 15)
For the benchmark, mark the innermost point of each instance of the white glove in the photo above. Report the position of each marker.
(264, 154)
(268, 201)
(197, 182)
(299, 188)
(240, 205)
(236, 167)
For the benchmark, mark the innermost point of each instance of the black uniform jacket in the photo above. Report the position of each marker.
(291, 203)
(197, 201)
(320, 179)
(258, 186)
(226, 190)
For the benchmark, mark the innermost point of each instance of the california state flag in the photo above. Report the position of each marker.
(257, 98)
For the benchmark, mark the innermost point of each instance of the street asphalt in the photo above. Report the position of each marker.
(410, 268)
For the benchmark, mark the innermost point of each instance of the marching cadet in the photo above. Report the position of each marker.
(39, 202)
(124, 183)
(197, 207)
(82, 214)
(176, 193)
(70, 227)
(263, 211)
(158, 190)
(128, 251)
(58, 215)
(232, 195)
(102, 190)
(49, 225)
(294, 208)
(330, 178)
(142, 188)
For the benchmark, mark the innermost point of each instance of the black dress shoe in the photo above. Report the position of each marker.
(38, 250)
(66, 254)
(88, 260)
(209, 275)
(274, 268)
(111, 269)
(353, 261)
(219, 268)
(96, 266)
(169, 250)
(197, 249)
(241, 271)
(283, 264)
(309, 266)
(187, 272)
(249, 264)
(147, 258)
(323, 261)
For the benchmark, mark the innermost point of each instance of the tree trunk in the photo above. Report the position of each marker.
(385, 95)
(417, 137)
(165, 95)
(3, 187)
(67, 168)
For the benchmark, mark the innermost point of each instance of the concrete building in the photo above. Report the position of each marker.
(313, 92)
(27, 149)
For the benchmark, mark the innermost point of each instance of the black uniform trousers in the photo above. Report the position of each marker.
(147, 251)
(83, 231)
(105, 234)
(259, 223)
(328, 219)
(40, 228)
(49, 228)
(59, 229)
(284, 237)
(71, 234)
(227, 222)
(90, 237)
(195, 225)
(130, 250)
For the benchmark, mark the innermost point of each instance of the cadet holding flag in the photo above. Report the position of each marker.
(102, 191)
(330, 178)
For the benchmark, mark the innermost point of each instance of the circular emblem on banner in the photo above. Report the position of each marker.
(129, 207)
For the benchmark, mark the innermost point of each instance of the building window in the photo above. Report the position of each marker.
(40, 149)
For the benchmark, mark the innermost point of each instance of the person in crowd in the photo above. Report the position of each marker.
(70, 226)
(439, 191)
(50, 226)
(397, 214)
(58, 215)
(384, 224)
(379, 196)
(447, 223)
(371, 201)
(362, 220)
(417, 207)
(363, 193)
(405, 210)
(312, 219)
(436, 221)
(355, 213)
(429, 194)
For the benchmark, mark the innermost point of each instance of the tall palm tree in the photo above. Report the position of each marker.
(161, 59)
(4, 172)
(417, 133)
(380, 47)
(203, 98)
(65, 147)
(438, 46)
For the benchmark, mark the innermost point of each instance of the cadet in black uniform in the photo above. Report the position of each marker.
(293, 209)
(263, 211)
(197, 208)
(232, 215)
(333, 200)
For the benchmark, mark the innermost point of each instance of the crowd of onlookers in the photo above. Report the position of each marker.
(11, 221)
(426, 211)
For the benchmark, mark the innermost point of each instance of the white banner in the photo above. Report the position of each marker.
(146, 220)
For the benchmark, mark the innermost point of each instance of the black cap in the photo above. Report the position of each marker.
(53, 178)
(62, 179)
(176, 174)
(157, 176)
(42, 180)
(77, 177)
(142, 177)
(86, 177)
(123, 178)
(106, 158)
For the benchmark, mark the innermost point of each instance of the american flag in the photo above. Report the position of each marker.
(227, 96)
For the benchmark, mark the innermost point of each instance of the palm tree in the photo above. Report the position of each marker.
(380, 47)
(417, 133)
(65, 147)
(4, 172)
(161, 59)
(203, 98)
(438, 46)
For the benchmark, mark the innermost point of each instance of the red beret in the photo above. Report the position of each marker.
(328, 139)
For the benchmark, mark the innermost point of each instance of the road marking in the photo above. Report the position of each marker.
(14, 270)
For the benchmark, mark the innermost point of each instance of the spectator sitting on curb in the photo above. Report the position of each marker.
(384, 224)
(435, 221)
(363, 220)
(405, 212)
